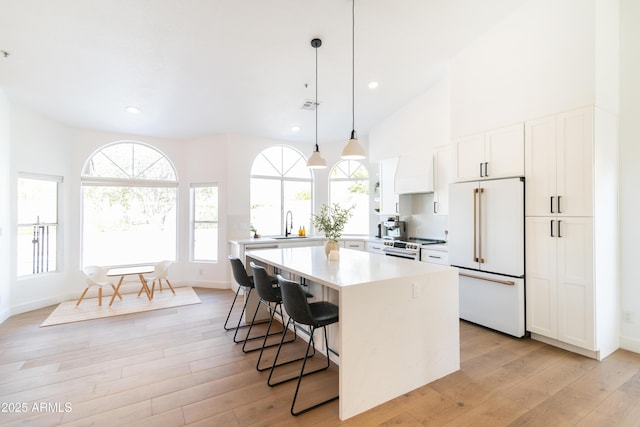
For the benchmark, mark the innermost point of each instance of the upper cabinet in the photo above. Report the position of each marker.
(495, 154)
(442, 176)
(414, 173)
(388, 198)
(559, 164)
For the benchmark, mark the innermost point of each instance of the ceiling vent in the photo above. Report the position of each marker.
(310, 104)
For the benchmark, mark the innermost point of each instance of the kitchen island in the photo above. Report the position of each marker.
(398, 327)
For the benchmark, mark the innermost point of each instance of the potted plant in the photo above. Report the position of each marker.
(331, 222)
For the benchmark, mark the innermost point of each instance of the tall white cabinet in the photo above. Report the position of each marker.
(571, 213)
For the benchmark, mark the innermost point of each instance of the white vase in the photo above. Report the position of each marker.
(331, 245)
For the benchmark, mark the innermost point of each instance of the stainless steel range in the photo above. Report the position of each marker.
(407, 249)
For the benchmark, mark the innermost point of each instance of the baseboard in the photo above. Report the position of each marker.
(630, 344)
(565, 346)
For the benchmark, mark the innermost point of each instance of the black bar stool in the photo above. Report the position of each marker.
(269, 295)
(246, 282)
(315, 315)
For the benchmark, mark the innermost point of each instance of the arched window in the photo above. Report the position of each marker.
(280, 183)
(129, 204)
(349, 186)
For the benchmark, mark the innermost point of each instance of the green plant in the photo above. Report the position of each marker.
(331, 221)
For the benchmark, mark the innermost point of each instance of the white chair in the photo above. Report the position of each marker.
(97, 276)
(160, 273)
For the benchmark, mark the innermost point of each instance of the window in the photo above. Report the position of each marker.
(204, 222)
(129, 204)
(37, 243)
(349, 186)
(280, 182)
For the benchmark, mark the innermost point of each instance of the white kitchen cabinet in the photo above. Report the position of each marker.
(389, 200)
(442, 173)
(572, 241)
(494, 154)
(434, 256)
(353, 244)
(560, 286)
(375, 247)
(414, 173)
(559, 164)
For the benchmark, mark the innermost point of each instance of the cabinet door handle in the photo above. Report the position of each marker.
(436, 257)
(486, 169)
(481, 170)
(397, 207)
(551, 229)
(551, 204)
(559, 233)
(435, 207)
(559, 211)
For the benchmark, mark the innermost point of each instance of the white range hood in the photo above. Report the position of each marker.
(414, 174)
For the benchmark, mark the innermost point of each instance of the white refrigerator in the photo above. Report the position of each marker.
(486, 243)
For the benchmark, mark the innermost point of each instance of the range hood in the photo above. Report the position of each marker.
(414, 174)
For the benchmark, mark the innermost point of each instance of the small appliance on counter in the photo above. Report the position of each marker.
(393, 229)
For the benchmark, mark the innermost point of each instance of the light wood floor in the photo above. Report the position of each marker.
(177, 367)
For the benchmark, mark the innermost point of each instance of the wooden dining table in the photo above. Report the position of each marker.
(139, 271)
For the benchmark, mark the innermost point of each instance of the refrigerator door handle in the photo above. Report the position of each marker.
(475, 224)
(480, 259)
(502, 282)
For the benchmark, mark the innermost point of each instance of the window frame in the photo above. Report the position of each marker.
(350, 178)
(193, 221)
(98, 181)
(59, 252)
(282, 179)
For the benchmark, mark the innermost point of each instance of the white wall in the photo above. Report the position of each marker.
(629, 170)
(538, 61)
(5, 212)
(416, 128)
(42, 146)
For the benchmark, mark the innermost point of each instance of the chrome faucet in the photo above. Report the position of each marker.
(288, 225)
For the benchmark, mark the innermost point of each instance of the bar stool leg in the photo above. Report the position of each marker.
(295, 396)
(247, 338)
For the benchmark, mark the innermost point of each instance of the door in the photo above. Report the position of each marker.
(542, 288)
(469, 157)
(540, 167)
(575, 163)
(501, 229)
(575, 282)
(463, 225)
(504, 152)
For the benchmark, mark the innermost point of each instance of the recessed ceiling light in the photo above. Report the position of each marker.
(295, 128)
(133, 110)
(373, 85)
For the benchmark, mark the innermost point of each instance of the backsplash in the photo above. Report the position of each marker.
(417, 211)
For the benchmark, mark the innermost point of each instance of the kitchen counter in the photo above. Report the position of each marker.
(398, 328)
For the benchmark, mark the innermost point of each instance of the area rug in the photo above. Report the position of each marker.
(67, 312)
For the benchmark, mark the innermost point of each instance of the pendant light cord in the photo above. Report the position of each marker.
(317, 149)
(353, 65)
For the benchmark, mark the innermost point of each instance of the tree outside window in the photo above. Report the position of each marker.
(37, 242)
(349, 186)
(204, 222)
(280, 182)
(129, 205)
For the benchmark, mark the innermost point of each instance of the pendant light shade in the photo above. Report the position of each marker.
(316, 161)
(353, 150)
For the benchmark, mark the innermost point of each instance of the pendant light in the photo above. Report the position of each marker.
(353, 150)
(316, 161)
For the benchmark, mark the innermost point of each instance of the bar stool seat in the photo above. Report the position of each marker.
(246, 283)
(314, 315)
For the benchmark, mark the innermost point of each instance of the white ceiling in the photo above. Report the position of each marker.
(199, 67)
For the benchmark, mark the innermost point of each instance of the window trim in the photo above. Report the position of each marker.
(193, 222)
(59, 180)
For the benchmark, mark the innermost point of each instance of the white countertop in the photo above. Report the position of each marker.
(353, 268)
